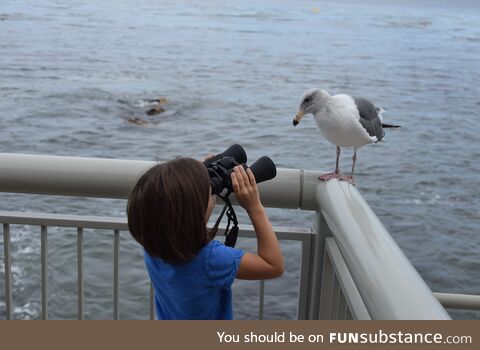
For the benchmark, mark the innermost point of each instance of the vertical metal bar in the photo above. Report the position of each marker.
(116, 244)
(152, 302)
(320, 232)
(80, 272)
(304, 292)
(335, 299)
(345, 281)
(342, 307)
(8, 271)
(326, 288)
(44, 251)
(261, 301)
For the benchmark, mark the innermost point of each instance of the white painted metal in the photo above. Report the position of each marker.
(62, 220)
(320, 232)
(44, 257)
(114, 178)
(345, 281)
(80, 272)
(8, 271)
(304, 293)
(459, 301)
(74, 176)
(152, 302)
(261, 300)
(304, 236)
(116, 248)
(388, 283)
(326, 289)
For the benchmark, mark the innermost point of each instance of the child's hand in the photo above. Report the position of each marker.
(208, 157)
(245, 188)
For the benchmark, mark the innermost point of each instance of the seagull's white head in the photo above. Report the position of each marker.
(313, 100)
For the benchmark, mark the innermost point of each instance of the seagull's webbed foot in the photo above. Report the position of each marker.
(348, 179)
(329, 176)
(337, 175)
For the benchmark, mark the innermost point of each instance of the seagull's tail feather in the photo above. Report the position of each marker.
(380, 112)
(390, 126)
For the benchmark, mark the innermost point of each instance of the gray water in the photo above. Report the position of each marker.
(73, 73)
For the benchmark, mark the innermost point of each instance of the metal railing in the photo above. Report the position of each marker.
(350, 266)
(117, 226)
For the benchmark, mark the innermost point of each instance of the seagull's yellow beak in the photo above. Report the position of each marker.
(297, 118)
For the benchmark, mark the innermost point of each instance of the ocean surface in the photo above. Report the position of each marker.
(72, 74)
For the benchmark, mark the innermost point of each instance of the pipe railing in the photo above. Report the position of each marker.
(114, 178)
(459, 301)
(118, 225)
(388, 284)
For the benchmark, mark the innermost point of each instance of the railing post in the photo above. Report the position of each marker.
(321, 231)
(44, 257)
(116, 248)
(261, 300)
(152, 301)
(80, 272)
(8, 271)
(305, 278)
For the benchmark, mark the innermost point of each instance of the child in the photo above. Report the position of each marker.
(192, 273)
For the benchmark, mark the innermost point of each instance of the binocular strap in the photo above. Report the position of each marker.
(231, 236)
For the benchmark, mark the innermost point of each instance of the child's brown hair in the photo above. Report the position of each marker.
(166, 210)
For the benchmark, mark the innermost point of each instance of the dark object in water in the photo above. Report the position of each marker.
(137, 121)
(157, 108)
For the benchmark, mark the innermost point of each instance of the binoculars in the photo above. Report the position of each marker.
(220, 168)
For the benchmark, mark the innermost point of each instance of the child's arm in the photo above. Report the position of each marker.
(269, 261)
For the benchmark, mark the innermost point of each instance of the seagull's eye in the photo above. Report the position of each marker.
(307, 99)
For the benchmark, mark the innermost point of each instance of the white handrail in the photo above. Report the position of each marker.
(390, 286)
(459, 301)
(114, 178)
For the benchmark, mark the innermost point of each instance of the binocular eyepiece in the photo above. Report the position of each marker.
(221, 166)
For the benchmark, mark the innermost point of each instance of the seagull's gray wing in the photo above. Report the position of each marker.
(369, 117)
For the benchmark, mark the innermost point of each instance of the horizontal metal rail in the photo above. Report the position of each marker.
(459, 301)
(114, 178)
(304, 236)
(117, 223)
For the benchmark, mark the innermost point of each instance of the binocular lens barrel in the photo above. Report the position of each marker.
(264, 169)
(236, 152)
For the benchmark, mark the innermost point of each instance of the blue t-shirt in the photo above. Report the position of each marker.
(199, 289)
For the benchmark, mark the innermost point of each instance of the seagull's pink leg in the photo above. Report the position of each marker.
(337, 169)
(349, 179)
(354, 158)
(336, 174)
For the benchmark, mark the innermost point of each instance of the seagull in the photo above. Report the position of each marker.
(345, 121)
